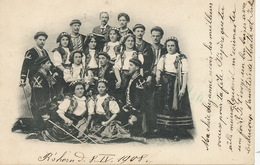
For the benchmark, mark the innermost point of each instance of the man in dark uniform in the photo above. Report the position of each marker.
(42, 92)
(77, 39)
(145, 48)
(106, 71)
(135, 100)
(28, 67)
(158, 50)
(104, 28)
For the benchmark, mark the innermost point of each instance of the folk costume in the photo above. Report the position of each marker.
(124, 32)
(101, 108)
(176, 110)
(42, 96)
(107, 72)
(74, 108)
(91, 61)
(158, 51)
(74, 73)
(29, 68)
(134, 104)
(78, 42)
(61, 58)
(153, 109)
(122, 63)
(145, 49)
(110, 48)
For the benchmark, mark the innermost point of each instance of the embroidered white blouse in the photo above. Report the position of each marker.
(113, 106)
(111, 51)
(167, 64)
(126, 64)
(57, 60)
(80, 109)
(73, 73)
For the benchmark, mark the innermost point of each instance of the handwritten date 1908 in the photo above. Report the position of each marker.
(74, 157)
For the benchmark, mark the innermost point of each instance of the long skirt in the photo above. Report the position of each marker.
(61, 131)
(111, 132)
(167, 117)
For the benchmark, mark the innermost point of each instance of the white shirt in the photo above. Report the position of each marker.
(111, 51)
(167, 64)
(126, 63)
(79, 110)
(73, 73)
(113, 106)
(92, 63)
(57, 60)
(104, 27)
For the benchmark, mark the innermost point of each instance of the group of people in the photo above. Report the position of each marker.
(108, 85)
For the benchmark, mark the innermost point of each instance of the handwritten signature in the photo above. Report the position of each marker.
(80, 157)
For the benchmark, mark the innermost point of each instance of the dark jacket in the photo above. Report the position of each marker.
(29, 68)
(97, 30)
(42, 92)
(136, 93)
(146, 50)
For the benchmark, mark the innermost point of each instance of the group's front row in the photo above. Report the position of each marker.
(82, 116)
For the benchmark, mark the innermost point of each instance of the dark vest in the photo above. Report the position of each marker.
(63, 53)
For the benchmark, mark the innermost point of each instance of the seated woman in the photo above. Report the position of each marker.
(172, 74)
(126, 52)
(72, 114)
(113, 41)
(102, 111)
(76, 71)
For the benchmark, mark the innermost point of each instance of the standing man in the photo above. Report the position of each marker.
(28, 67)
(145, 49)
(134, 99)
(158, 50)
(103, 28)
(77, 39)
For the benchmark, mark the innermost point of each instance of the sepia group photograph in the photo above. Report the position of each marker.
(127, 82)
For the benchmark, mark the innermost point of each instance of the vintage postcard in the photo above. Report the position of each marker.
(127, 82)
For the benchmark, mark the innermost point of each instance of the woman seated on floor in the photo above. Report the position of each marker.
(71, 121)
